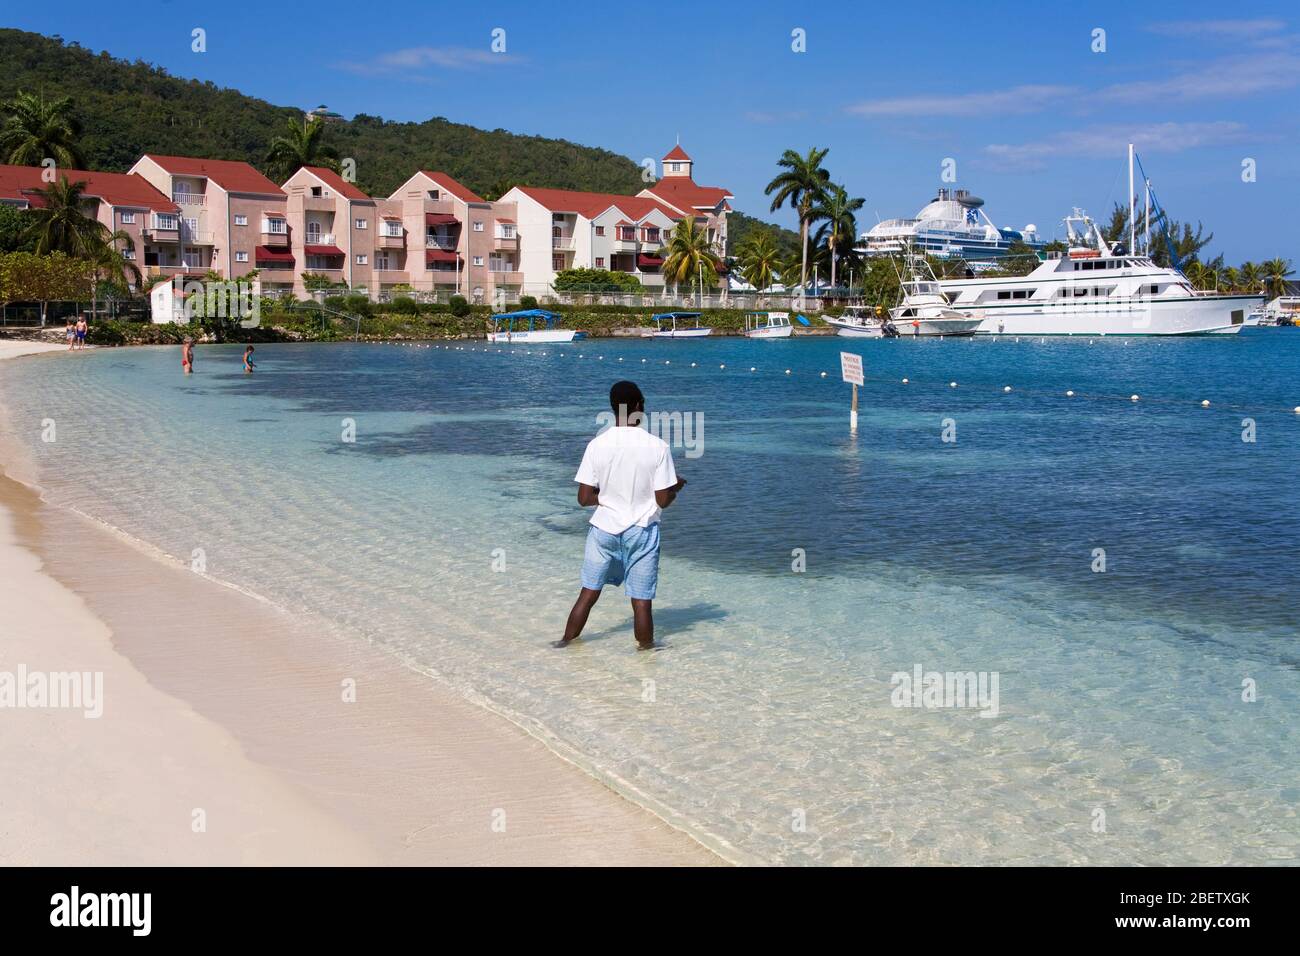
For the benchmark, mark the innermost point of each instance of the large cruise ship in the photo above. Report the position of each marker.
(953, 225)
(1097, 289)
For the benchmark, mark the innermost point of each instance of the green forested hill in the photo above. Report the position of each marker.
(133, 108)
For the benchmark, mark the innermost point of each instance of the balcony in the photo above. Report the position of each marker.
(625, 245)
(443, 276)
(445, 243)
(154, 234)
(391, 242)
(506, 243)
(197, 238)
(275, 238)
(563, 243)
(317, 203)
(650, 245)
(320, 239)
(189, 199)
(391, 276)
(153, 272)
(500, 278)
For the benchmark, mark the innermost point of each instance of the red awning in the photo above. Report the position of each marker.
(267, 254)
(439, 255)
(323, 251)
(643, 261)
(440, 219)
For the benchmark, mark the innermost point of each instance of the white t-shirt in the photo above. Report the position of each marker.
(627, 465)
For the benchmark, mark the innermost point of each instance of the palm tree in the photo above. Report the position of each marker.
(37, 130)
(1231, 279)
(690, 255)
(839, 226)
(301, 146)
(1198, 274)
(1277, 272)
(800, 185)
(1250, 276)
(760, 259)
(59, 222)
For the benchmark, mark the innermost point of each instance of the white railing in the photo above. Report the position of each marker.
(562, 242)
(189, 199)
(320, 239)
(440, 242)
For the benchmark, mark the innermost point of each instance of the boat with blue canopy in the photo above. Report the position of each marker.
(529, 325)
(673, 325)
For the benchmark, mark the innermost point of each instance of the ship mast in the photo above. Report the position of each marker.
(1132, 213)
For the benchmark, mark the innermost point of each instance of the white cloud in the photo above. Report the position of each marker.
(1017, 99)
(1112, 141)
(1232, 29)
(1230, 77)
(421, 58)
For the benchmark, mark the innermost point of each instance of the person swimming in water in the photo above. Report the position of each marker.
(187, 355)
(248, 361)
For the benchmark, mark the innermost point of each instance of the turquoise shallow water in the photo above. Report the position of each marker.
(766, 722)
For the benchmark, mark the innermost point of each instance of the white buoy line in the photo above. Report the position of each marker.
(1132, 398)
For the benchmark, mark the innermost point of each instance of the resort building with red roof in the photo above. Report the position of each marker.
(709, 205)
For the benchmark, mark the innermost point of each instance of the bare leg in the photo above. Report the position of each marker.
(587, 599)
(644, 623)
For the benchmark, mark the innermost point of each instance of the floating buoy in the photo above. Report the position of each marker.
(1297, 409)
(1205, 403)
(1070, 394)
(787, 371)
(952, 384)
(692, 365)
(904, 381)
(1132, 398)
(620, 358)
(666, 362)
(752, 369)
(643, 361)
(1006, 388)
(823, 374)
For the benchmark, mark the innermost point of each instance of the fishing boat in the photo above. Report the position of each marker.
(668, 325)
(769, 325)
(923, 308)
(528, 326)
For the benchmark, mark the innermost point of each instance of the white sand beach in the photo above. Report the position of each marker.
(221, 710)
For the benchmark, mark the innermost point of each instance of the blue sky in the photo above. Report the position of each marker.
(1014, 93)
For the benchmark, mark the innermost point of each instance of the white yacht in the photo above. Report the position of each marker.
(953, 225)
(1094, 289)
(922, 309)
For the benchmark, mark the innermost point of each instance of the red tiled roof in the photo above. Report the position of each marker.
(336, 182)
(116, 189)
(231, 175)
(592, 205)
(678, 153)
(463, 193)
(686, 196)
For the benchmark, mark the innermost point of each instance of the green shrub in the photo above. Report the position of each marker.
(459, 306)
(527, 302)
(404, 305)
(357, 304)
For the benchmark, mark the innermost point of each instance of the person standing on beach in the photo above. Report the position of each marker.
(72, 335)
(82, 328)
(628, 475)
(187, 356)
(248, 361)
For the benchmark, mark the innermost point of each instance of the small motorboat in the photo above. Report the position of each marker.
(528, 326)
(670, 325)
(769, 325)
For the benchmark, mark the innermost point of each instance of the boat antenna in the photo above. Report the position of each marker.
(1132, 220)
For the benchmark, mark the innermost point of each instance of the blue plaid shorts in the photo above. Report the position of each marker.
(630, 559)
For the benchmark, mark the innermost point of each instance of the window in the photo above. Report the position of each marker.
(191, 228)
(433, 194)
(362, 260)
(505, 230)
(241, 256)
(381, 261)
(478, 260)
(317, 192)
(652, 234)
(241, 220)
(600, 231)
(128, 253)
(275, 227)
(1154, 288)
(192, 259)
(600, 262)
(128, 217)
(478, 225)
(362, 224)
(500, 264)
(557, 263)
(164, 220)
(674, 167)
(627, 233)
(392, 228)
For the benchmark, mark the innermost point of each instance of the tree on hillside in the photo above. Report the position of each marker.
(800, 185)
(835, 209)
(36, 129)
(690, 256)
(13, 229)
(300, 145)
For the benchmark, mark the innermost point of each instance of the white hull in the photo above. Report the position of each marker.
(534, 336)
(780, 332)
(1198, 315)
(681, 334)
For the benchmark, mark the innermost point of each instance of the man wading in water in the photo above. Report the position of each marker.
(628, 475)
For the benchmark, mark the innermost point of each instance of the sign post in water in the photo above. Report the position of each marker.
(851, 370)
